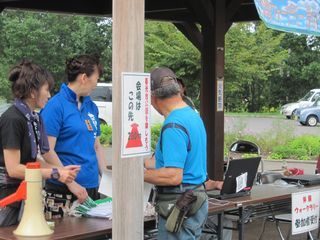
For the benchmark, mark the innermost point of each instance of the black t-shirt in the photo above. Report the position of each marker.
(14, 134)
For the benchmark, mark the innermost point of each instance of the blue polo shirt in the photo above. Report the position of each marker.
(175, 142)
(76, 131)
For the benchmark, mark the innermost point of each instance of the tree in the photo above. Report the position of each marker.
(166, 46)
(48, 39)
(253, 53)
(300, 70)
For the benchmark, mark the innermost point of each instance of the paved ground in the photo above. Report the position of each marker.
(253, 229)
(258, 125)
(308, 167)
(254, 125)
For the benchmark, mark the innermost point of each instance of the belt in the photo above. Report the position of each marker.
(179, 189)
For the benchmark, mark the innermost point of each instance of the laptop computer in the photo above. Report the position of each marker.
(238, 179)
(306, 179)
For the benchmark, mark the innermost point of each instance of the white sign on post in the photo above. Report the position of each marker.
(136, 134)
(305, 211)
(220, 95)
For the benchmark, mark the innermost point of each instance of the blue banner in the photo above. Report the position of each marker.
(300, 16)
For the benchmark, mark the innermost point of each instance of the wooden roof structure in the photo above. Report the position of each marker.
(203, 22)
(177, 11)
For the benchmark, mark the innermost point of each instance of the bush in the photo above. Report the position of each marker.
(155, 133)
(275, 156)
(289, 152)
(308, 142)
(106, 135)
(303, 148)
(279, 143)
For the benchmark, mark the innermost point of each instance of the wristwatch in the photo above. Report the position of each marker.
(55, 174)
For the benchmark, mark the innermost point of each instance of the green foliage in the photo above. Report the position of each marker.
(310, 143)
(155, 133)
(299, 72)
(166, 46)
(249, 155)
(264, 68)
(106, 135)
(275, 156)
(278, 143)
(288, 152)
(253, 53)
(303, 148)
(48, 39)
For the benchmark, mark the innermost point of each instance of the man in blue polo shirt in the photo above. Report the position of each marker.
(180, 156)
(73, 128)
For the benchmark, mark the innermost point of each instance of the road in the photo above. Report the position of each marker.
(255, 125)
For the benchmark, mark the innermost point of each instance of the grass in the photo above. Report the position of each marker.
(276, 144)
(255, 114)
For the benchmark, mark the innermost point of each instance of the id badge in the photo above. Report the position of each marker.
(89, 125)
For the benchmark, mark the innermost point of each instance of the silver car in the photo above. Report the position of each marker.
(289, 109)
(309, 116)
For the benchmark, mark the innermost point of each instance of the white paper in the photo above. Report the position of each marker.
(146, 193)
(305, 211)
(105, 187)
(136, 109)
(241, 181)
(103, 210)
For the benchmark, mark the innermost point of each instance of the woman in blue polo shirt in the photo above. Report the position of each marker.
(22, 135)
(73, 129)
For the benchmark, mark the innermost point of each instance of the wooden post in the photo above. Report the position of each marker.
(212, 73)
(127, 174)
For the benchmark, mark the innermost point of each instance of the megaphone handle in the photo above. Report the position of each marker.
(20, 194)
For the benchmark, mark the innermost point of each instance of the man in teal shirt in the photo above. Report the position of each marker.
(180, 156)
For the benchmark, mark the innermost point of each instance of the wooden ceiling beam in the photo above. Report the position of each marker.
(202, 10)
(246, 13)
(93, 7)
(164, 5)
(192, 33)
(171, 16)
(232, 8)
(176, 11)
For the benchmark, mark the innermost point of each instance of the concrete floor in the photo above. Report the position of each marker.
(253, 229)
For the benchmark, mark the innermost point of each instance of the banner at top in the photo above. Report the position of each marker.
(300, 16)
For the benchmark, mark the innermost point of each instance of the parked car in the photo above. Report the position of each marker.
(289, 109)
(102, 97)
(309, 116)
(4, 107)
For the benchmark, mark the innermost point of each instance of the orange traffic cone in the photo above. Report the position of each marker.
(134, 139)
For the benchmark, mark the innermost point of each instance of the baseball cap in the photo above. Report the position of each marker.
(162, 76)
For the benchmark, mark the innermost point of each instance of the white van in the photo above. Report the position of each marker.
(290, 108)
(102, 97)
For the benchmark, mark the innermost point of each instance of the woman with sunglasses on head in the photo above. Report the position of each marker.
(73, 128)
(23, 137)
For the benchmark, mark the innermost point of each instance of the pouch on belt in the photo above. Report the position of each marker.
(165, 203)
(187, 205)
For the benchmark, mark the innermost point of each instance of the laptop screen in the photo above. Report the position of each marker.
(240, 175)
